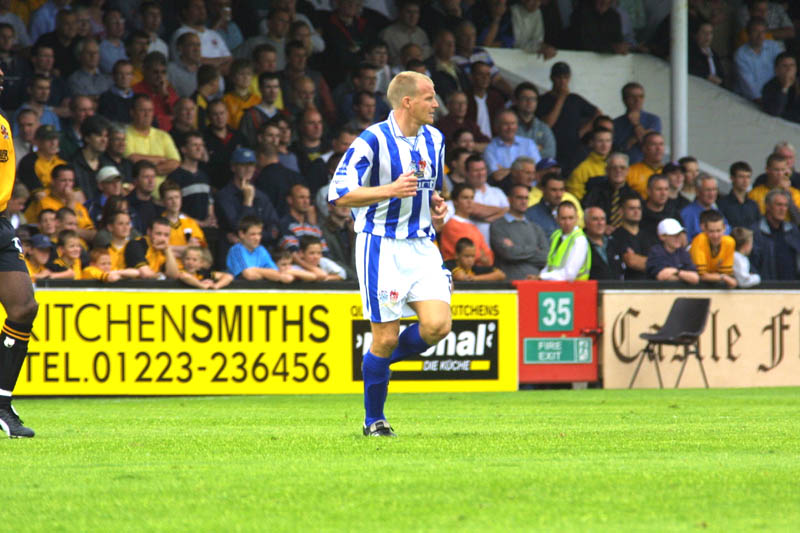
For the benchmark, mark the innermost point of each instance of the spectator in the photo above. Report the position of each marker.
(240, 198)
(337, 231)
(405, 30)
(324, 269)
(464, 268)
(523, 172)
(529, 31)
(690, 169)
(112, 49)
(778, 25)
(296, 223)
(297, 70)
(248, 259)
(608, 191)
(87, 78)
(208, 89)
(776, 243)
(787, 150)
(741, 263)
(136, 48)
(447, 76)
(630, 128)
(213, 48)
(755, 60)
(38, 94)
(302, 29)
(712, 251)
(115, 151)
(493, 23)
(598, 28)
(543, 213)
(152, 255)
(61, 194)
(504, 149)
(47, 224)
(346, 32)
(657, 207)
(738, 209)
(669, 260)
(220, 17)
(220, 141)
(61, 41)
(140, 199)
(703, 59)
(457, 120)
(7, 16)
(86, 161)
(605, 265)
(569, 258)
(526, 98)
(184, 122)
(365, 78)
(780, 96)
(441, 14)
(483, 101)
(676, 180)
(67, 265)
(194, 182)
(43, 20)
(364, 108)
(156, 86)
(116, 103)
(144, 142)
(100, 268)
(652, 163)
(182, 71)
(490, 202)
(42, 62)
(196, 271)
(184, 230)
(569, 115)
(460, 226)
(81, 107)
(594, 165)
(109, 183)
(269, 85)
(24, 142)
(630, 244)
(707, 193)
(117, 226)
(467, 54)
(35, 169)
(150, 16)
(777, 176)
(14, 68)
(308, 148)
(16, 204)
(278, 21)
(38, 256)
(520, 245)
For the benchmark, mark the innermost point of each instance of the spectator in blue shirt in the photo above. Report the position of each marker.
(669, 261)
(247, 259)
(507, 146)
(707, 192)
(736, 207)
(630, 128)
(755, 60)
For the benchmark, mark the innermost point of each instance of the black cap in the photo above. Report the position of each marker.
(46, 131)
(560, 69)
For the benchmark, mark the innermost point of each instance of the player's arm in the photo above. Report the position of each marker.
(404, 186)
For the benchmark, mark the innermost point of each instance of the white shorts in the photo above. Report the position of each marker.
(394, 272)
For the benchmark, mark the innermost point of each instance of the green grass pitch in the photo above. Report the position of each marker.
(593, 460)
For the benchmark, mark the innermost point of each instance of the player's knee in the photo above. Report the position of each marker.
(435, 330)
(24, 313)
(384, 345)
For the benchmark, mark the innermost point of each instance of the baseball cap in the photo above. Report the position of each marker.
(669, 226)
(547, 162)
(108, 173)
(560, 69)
(47, 131)
(41, 241)
(243, 156)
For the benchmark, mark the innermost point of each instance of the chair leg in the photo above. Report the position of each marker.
(658, 370)
(648, 353)
(683, 365)
(638, 366)
(700, 362)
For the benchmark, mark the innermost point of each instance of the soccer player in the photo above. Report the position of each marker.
(391, 177)
(16, 294)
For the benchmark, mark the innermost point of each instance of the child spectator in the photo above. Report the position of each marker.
(151, 255)
(464, 268)
(184, 230)
(712, 250)
(741, 262)
(197, 270)
(19, 197)
(38, 257)
(285, 262)
(240, 97)
(248, 259)
(68, 263)
(48, 224)
(669, 261)
(311, 253)
(100, 268)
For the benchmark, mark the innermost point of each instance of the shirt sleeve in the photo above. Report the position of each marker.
(698, 255)
(354, 167)
(265, 260)
(572, 265)
(135, 254)
(235, 261)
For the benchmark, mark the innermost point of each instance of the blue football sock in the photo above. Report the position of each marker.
(376, 384)
(408, 344)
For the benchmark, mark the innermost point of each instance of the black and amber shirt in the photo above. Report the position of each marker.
(140, 252)
(8, 164)
(60, 265)
(93, 272)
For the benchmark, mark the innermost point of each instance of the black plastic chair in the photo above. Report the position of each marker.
(685, 323)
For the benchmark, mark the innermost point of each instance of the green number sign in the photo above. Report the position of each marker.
(555, 311)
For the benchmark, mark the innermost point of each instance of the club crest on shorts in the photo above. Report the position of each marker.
(388, 298)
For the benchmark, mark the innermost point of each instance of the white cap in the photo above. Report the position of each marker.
(107, 174)
(669, 226)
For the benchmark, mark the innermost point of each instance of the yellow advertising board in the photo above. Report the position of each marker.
(752, 339)
(180, 342)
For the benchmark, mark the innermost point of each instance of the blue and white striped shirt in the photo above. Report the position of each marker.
(377, 157)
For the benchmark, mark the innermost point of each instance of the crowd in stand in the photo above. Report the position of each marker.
(195, 140)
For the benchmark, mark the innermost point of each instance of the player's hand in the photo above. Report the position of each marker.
(405, 185)
(438, 207)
